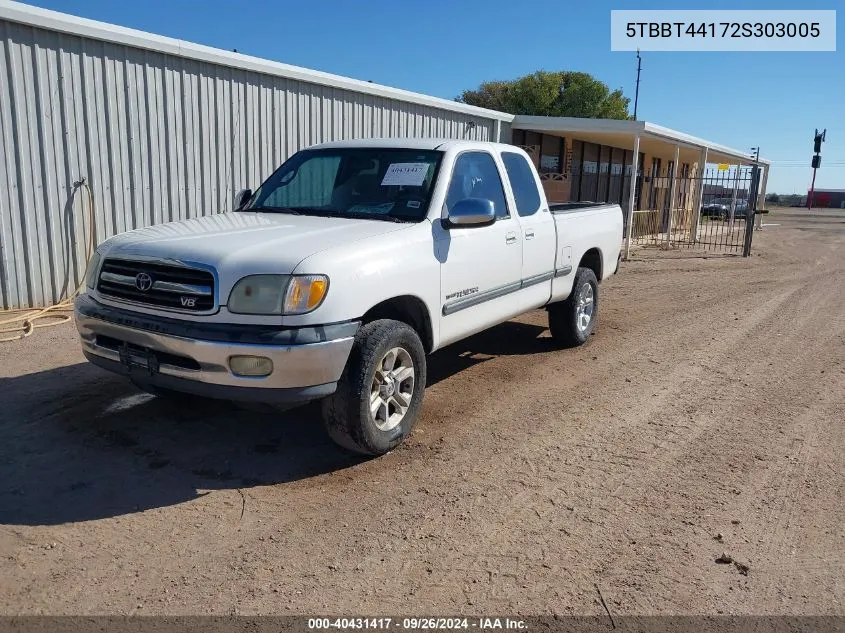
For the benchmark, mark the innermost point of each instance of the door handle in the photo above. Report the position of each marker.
(529, 234)
(510, 238)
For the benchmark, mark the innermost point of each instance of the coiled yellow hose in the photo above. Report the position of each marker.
(25, 321)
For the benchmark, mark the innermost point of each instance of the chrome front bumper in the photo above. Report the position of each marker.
(157, 351)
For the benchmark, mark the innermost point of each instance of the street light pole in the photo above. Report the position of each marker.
(818, 139)
(812, 190)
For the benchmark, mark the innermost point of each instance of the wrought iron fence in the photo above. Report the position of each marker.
(710, 209)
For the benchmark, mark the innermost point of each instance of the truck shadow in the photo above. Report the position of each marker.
(79, 444)
(508, 339)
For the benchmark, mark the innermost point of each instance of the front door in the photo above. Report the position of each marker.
(480, 266)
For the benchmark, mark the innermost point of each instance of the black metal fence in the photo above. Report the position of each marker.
(674, 207)
(709, 211)
(712, 211)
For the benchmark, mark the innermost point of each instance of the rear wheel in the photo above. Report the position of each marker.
(380, 392)
(572, 321)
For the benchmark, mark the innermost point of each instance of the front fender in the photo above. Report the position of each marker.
(374, 270)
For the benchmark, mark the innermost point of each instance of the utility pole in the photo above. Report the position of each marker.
(637, 90)
(818, 139)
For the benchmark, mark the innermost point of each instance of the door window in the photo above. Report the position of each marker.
(523, 183)
(476, 176)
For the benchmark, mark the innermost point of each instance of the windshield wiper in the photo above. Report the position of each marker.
(356, 215)
(328, 213)
(290, 210)
(377, 216)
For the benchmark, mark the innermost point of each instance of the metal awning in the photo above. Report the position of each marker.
(655, 140)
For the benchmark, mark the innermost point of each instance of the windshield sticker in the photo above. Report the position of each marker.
(372, 208)
(413, 204)
(407, 174)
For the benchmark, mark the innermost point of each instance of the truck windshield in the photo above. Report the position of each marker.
(355, 182)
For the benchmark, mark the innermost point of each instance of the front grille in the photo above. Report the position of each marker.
(155, 284)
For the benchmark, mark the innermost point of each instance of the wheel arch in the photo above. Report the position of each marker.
(593, 260)
(408, 309)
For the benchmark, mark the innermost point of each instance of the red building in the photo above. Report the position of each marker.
(829, 198)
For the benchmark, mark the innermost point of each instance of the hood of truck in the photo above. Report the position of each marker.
(245, 242)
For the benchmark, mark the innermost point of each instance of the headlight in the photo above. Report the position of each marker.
(278, 294)
(258, 294)
(305, 293)
(93, 269)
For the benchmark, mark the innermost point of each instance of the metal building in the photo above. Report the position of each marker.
(827, 198)
(160, 129)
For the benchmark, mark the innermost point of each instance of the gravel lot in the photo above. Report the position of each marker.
(704, 417)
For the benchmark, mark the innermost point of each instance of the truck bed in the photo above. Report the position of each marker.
(568, 207)
(579, 228)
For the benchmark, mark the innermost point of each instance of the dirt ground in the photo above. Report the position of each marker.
(706, 416)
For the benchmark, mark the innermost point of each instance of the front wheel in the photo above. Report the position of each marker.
(380, 392)
(572, 321)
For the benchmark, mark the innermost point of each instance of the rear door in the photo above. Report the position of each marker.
(480, 266)
(539, 240)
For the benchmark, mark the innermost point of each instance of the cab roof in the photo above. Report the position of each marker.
(441, 144)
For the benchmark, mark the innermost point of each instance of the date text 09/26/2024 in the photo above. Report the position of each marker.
(417, 624)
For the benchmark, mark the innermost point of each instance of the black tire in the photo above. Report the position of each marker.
(563, 316)
(347, 415)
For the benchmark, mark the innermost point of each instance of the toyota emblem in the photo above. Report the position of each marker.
(143, 282)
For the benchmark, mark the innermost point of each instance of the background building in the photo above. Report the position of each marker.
(158, 129)
(161, 130)
(833, 198)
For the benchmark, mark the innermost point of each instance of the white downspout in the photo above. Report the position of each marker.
(633, 188)
(733, 196)
(699, 196)
(672, 190)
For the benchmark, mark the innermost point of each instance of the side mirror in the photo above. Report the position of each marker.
(241, 198)
(471, 212)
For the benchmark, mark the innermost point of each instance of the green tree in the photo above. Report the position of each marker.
(773, 197)
(545, 93)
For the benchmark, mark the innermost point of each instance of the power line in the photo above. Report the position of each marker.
(801, 163)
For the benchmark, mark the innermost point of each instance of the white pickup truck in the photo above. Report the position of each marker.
(339, 274)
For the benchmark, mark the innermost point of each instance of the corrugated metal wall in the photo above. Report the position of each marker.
(157, 137)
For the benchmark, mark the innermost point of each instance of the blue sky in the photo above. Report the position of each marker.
(441, 47)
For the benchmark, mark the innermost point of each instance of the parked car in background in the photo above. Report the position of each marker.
(720, 208)
(717, 208)
(339, 274)
(741, 208)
